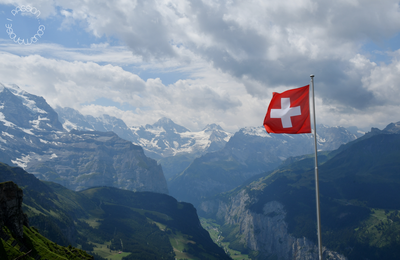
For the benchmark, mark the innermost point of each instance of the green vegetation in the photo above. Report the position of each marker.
(217, 235)
(360, 205)
(105, 221)
(164, 225)
(34, 244)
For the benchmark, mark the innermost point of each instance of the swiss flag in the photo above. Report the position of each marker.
(289, 112)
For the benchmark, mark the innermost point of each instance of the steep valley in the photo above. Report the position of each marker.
(143, 225)
(273, 217)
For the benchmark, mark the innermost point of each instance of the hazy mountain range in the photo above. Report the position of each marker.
(32, 137)
(249, 152)
(159, 140)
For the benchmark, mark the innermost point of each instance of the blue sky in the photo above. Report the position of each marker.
(207, 61)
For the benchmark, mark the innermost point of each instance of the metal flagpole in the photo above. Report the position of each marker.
(316, 173)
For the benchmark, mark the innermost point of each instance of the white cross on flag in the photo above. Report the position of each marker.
(289, 112)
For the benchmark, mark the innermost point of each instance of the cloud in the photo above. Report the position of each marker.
(233, 53)
(66, 83)
(75, 84)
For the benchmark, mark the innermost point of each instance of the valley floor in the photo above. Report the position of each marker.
(214, 229)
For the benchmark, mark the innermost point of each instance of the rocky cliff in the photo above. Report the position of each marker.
(266, 233)
(32, 138)
(11, 214)
(18, 240)
(79, 160)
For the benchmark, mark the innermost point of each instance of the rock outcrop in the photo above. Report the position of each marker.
(11, 214)
(79, 160)
(266, 233)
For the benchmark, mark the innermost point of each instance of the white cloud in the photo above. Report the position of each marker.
(235, 54)
(69, 83)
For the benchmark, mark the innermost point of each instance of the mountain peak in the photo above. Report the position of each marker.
(169, 125)
(393, 128)
(164, 121)
(25, 111)
(212, 127)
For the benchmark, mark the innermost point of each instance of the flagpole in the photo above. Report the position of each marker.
(316, 173)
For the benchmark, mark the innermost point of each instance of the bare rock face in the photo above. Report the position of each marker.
(32, 138)
(11, 214)
(79, 160)
(266, 233)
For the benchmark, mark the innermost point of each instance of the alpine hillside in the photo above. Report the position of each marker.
(106, 222)
(18, 240)
(273, 216)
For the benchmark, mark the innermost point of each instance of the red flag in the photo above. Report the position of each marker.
(289, 112)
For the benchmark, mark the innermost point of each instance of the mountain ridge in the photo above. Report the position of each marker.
(151, 225)
(31, 137)
(249, 152)
(359, 186)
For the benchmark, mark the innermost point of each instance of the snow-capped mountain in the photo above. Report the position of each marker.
(72, 119)
(160, 140)
(165, 138)
(26, 112)
(249, 152)
(32, 137)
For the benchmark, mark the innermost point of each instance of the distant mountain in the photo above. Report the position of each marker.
(172, 145)
(32, 137)
(160, 140)
(165, 138)
(360, 212)
(249, 152)
(143, 225)
(71, 119)
(175, 147)
(27, 112)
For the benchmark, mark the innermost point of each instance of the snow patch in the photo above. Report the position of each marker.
(228, 137)
(30, 104)
(43, 141)
(28, 131)
(7, 134)
(3, 119)
(69, 125)
(23, 161)
(257, 131)
(35, 123)
(156, 131)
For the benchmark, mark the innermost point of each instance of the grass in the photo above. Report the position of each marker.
(103, 251)
(39, 245)
(379, 214)
(214, 230)
(379, 230)
(93, 222)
